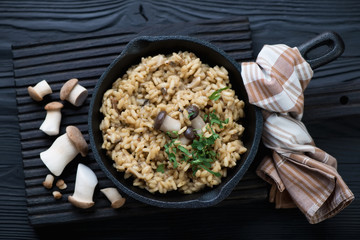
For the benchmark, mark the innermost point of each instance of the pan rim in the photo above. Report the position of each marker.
(192, 203)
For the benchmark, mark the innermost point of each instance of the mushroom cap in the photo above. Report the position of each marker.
(67, 88)
(53, 106)
(159, 119)
(193, 111)
(190, 133)
(34, 95)
(118, 203)
(80, 204)
(77, 139)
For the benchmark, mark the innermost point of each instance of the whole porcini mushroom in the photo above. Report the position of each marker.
(73, 92)
(41, 89)
(51, 124)
(114, 197)
(188, 136)
(64, 149)
(85, 183)
(166, 123)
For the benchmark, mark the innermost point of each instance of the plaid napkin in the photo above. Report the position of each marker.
(301, 174)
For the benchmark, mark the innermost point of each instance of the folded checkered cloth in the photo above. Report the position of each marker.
(301, 174)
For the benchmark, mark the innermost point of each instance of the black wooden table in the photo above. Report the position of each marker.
(332, 113)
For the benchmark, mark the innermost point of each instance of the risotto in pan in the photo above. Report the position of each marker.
(170, 123)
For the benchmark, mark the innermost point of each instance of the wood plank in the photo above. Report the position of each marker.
(271, 22)
(89, 56)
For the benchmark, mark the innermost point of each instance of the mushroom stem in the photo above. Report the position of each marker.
(85, 183)
(64, 149)
(48, 183)
(198, 123)
(73, 92)
(170, 124)
(184, 140)
(41, 89)
(52, 120)
(61, 152)
(114, 197)
(78, 95)
(51, 124)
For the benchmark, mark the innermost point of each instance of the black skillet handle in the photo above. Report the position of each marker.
(335, 47)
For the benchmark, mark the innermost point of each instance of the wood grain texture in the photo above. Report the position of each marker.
(273, 21)
(13, 211)
(309, 17)
(86, 58)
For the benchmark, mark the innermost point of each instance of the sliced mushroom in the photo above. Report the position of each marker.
(57, 194)
(64, 149)
(163, 91)
(61, 184)
(73, 92)
(114, 197)
(142, 102)
(85, 183)
(41, 89)
(51, 124)
(49, 180)
(166, 123)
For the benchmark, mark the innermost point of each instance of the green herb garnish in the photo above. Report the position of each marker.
(202, 154)
(213, 118)
(186, 154)
(170, 149)
(172, 133)
(161, 168)
(191, 113)
(217, 94)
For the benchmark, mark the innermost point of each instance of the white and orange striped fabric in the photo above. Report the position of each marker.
(301, 174)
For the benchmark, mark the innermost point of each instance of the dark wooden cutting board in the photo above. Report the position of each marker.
(85, 57)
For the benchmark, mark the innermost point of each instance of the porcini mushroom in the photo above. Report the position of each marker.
(49, 180)
(73, 92)
(196, 120)
(51, 124)
(188, 136)
(114, 197)
(85, 183)
(41, 89)
(64, 149)
(166, 123)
